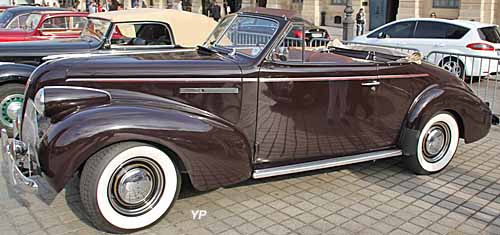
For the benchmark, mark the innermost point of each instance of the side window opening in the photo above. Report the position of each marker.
(296, 49)
(59, 23)
(428, 29)
(291, 48)
(141, 34)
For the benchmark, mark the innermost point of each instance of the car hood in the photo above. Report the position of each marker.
(94, 71)
(177, 63)
(44, 48)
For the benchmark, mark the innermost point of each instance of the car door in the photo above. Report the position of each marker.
(314, 105)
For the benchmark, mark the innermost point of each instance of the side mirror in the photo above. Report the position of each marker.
(281, 53)
(381, 35)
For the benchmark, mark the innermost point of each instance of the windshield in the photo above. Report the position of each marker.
(96, 28)
(245, 34)
(32, 21)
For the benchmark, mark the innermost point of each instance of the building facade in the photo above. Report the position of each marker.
(378, 12)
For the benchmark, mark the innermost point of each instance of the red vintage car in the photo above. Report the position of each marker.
(47, 25)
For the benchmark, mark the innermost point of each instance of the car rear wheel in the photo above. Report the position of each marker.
(436, 145)
(11, 102)
(128, 186)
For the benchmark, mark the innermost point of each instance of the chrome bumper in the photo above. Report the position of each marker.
(13, 154)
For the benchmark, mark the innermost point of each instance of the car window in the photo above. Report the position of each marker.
(55, 23)
(32, 21)
(141, 34)
(401, 30)
(78, 22)
(290, 48)
(397, 30)
(490, 34)
(429, 29)
(95, 28)
(18, 22)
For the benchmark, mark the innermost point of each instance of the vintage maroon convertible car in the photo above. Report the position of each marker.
(251, 102)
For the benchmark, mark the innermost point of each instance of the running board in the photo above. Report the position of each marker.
(316, 165)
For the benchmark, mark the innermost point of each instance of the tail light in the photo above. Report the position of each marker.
(297, 33)
(481, 47)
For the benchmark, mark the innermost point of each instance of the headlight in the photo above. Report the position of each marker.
(40, 101)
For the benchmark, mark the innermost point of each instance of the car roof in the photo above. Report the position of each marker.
(198, 30)
(26, 9)
(465, 23)
(52, 13)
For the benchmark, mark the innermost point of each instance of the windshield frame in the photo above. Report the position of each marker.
(226, 50)
(104, 36)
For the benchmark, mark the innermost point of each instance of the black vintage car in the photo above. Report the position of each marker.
(241, 106)
(105, 33)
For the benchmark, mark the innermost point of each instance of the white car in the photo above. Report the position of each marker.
(465, 48)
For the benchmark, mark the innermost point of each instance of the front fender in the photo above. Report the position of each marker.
(11, 72)
(472, 114)
(213, 154)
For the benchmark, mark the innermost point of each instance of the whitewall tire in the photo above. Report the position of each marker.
(436, 144)
(128, 186)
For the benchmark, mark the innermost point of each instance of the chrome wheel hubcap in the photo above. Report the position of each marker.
(136, 186)
(10, 107)
(436, 142)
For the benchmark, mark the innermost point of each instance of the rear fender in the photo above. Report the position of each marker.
(213, 153)
(472, 114)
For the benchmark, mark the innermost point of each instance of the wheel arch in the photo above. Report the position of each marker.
(178, 162)
(472, 115)
(211, 153)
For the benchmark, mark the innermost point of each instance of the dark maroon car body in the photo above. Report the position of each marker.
(270, 113)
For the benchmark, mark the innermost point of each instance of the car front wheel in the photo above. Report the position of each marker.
(128, 186)
(11, 102)
(436, 144)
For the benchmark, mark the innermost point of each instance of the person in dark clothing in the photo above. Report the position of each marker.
(214, 10)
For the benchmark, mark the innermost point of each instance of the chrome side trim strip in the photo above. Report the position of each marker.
(347, 78)
(201, 80)
(210, 80)
(77, 88)
(222, 90)
(327, 163)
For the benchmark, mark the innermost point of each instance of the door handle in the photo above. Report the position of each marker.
(372, 83)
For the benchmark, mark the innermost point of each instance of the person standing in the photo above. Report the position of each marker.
(360, 22)
(111, 5)
(178, 6)
(214, 10)
(92, 7)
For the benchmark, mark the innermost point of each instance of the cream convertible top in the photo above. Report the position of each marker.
(188, 29)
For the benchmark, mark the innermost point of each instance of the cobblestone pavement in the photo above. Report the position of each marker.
(371, 198)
